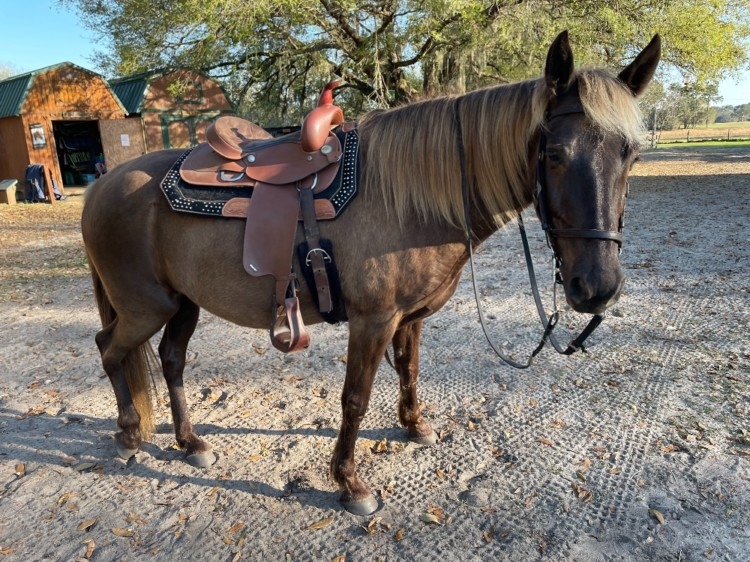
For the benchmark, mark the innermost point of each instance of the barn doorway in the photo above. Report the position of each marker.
(79, 151)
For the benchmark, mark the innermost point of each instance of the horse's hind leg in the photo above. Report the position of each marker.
(120, 344)
(406, 362)
(368, 338)
(172, 351)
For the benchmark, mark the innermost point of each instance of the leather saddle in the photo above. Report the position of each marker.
(283, 174)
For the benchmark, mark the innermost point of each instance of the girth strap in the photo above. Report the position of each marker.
(316, 256)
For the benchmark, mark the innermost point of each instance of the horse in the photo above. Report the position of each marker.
(400, 245)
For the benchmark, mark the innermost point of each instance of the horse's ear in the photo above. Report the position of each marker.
(638, 73)
(558, 71)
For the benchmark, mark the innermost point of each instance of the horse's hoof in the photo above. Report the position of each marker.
(429, 439)
(201, 460)
(123, 452)
(366, 506)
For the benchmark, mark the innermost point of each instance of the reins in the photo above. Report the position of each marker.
(549, 323)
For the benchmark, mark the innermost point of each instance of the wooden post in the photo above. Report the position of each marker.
(49, 191)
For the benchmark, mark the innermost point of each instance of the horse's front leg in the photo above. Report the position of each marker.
(172, 351)
(406, 363)
(368, 338)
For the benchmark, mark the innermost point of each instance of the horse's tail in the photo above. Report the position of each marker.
(137, 363)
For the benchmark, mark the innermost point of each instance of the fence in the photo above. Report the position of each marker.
(737, 132)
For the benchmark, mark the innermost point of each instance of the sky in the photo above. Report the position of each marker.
(39, 33)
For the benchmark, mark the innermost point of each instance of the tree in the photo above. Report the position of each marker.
(6, 71)
(274, 55)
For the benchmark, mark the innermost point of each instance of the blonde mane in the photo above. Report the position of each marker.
(410, 155)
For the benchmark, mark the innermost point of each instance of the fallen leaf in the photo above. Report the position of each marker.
(488, 535)
(656, 514)
(65, 497)
(236, 527)
(399, 535)
(7, 550)
(470, 426)
(440, 474)
(381, 446)
(120, 532)
(373, 526)
(86, 525)
(292, 378)
(584, 494)
(547, 441)
(90, 546)
(339, 558)
(213, 491)
(615, 470)
(20, 469)
(580, 476)
(429, 518)
(669, 448)
(254, 458)
(323, 523)
(133, 518)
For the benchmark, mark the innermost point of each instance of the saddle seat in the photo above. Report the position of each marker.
(240, 153)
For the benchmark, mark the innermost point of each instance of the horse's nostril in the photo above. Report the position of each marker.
(580, 290)
(584, 296)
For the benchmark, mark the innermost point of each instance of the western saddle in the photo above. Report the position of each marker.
(283, 173)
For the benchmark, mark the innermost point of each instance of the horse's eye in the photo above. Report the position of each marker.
(555, 154)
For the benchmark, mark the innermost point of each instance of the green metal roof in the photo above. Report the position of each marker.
(13, 92)
(132, 90)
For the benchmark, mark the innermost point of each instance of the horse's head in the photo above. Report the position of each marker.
(582, 171)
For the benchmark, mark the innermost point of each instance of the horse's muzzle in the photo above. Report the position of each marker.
(593, 293)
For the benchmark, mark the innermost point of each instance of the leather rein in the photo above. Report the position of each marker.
(540, 203)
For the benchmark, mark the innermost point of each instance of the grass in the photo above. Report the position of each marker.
(719, 132)
(707, 143)
(40, 248)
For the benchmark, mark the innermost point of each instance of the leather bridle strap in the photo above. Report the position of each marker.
(548, 323)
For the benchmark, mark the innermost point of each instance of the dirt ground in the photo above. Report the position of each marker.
(638, 450)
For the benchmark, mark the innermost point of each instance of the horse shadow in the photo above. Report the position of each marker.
(84, 443)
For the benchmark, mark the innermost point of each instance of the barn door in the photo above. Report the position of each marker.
(122, 140)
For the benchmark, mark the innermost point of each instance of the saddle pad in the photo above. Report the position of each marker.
(212, 201)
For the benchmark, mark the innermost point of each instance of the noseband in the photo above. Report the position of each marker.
(540, 195)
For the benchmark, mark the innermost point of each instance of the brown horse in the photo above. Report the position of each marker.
(400, 246)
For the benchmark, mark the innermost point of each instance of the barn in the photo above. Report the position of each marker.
(175, 107)
(66, 118)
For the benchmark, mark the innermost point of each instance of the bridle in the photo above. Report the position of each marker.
(540, 194)
(540, 203)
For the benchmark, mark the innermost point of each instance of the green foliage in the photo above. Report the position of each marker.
(274, 56)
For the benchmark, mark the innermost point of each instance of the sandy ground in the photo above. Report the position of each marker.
(638, 450)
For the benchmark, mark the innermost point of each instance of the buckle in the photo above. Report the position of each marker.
(326, 257)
